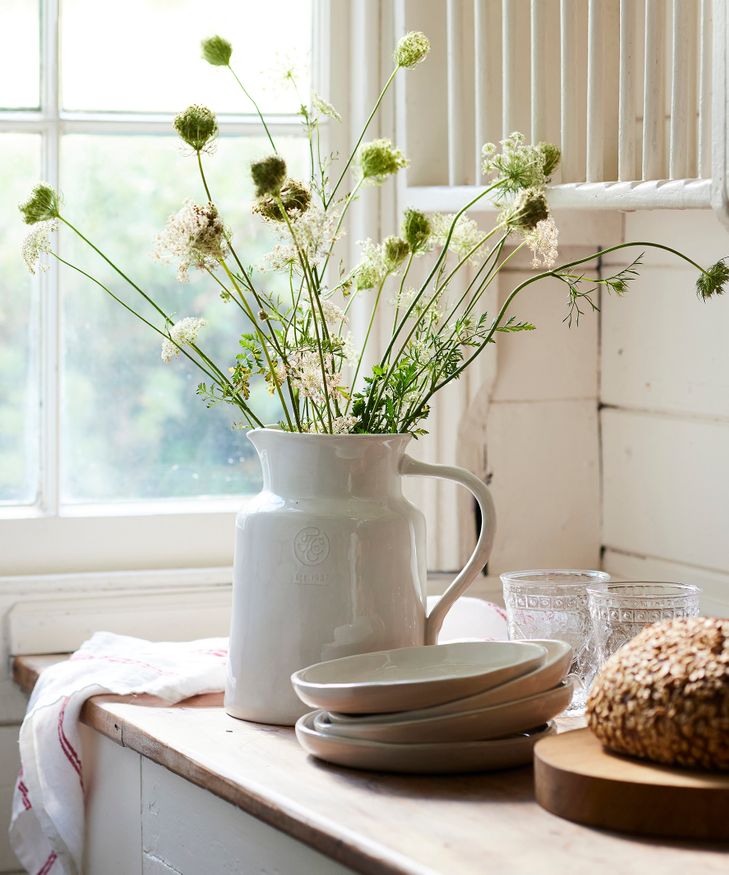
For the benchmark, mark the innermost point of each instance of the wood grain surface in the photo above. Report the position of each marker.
(375, 823)
(576, 778)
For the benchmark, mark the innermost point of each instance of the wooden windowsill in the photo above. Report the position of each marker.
(374, 823)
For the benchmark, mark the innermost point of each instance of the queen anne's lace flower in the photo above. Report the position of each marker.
(38, 243)
(41, 206)
(343, 424)
(334, 316)
(323, 107)
(465, 238)
(315, 231)
(380, 159)
(182, 332)
(542, 241)
(196, 236)
(305, 374)
(412, 49)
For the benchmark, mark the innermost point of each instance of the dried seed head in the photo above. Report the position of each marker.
(216, 51)
(197, 126)
(268, 174)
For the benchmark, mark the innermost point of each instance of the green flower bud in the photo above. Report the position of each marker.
(529, 210)
(412, 49)
(395, 250)
(197, 126)
(380, 159)
(712, 281)
(269, 174)
(216, 51)
(295, 197)
(41, 206)
(366, 277)
(416, 230)
(551, 156)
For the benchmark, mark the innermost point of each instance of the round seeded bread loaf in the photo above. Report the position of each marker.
(664, 696)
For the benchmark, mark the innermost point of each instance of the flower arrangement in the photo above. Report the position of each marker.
(300, 342)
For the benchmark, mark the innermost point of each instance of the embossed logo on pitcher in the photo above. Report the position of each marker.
(311, 546)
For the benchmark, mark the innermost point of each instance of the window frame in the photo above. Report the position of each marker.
(165, 533)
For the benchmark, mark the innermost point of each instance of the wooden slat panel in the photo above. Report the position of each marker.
(573, 88)
(682, 161)
(664, 487)
(570, 352)
(664, 350)
(460, 92)
(546, 492)
(427, 96)
(629, 132)
(113, 791)
(714, 584)
(487, 53)
(654, 166)
(515, 103)
(602, 91)
(704, 88)
(545, 38)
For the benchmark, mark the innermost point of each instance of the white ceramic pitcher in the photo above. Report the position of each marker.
(329, 561)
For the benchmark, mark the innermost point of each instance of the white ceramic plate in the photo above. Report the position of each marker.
(481, 725)
(543, 677)
(413, 677)
(470, 756)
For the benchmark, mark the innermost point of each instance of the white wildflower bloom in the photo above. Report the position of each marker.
(334, 315)
(37, 244)
(323, 107)
(403, 298)
(305, 374)
(315, 232)
(372, 269)
(466, 235)
(346, 348)
(343, 424)
(196, 236)
(542, 241)
(182, 332)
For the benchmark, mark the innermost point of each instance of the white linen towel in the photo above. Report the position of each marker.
(47, 823)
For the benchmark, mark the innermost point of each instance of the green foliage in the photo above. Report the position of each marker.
(713, 280)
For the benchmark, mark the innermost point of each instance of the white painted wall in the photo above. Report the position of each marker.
(665, 420)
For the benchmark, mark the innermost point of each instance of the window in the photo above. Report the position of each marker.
(93, 424)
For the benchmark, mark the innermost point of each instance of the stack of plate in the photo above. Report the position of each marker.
(464, 706)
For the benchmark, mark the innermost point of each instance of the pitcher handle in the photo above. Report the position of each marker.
(482, 551)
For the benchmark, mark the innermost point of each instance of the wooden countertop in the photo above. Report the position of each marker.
(374, 823)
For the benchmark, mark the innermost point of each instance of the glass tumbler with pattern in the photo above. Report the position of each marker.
(619, 611)
(553, 603)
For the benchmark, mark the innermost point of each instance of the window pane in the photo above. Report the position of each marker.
(133, 427)
(153, 62)
(19, 420)
(19, 54)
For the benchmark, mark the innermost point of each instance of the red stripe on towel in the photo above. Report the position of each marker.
(23, 790)
(66, 745)
(46, 867)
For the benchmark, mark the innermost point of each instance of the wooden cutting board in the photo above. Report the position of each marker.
(576, 778)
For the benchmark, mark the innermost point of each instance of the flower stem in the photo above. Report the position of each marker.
(255, 106)
(361, 136)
